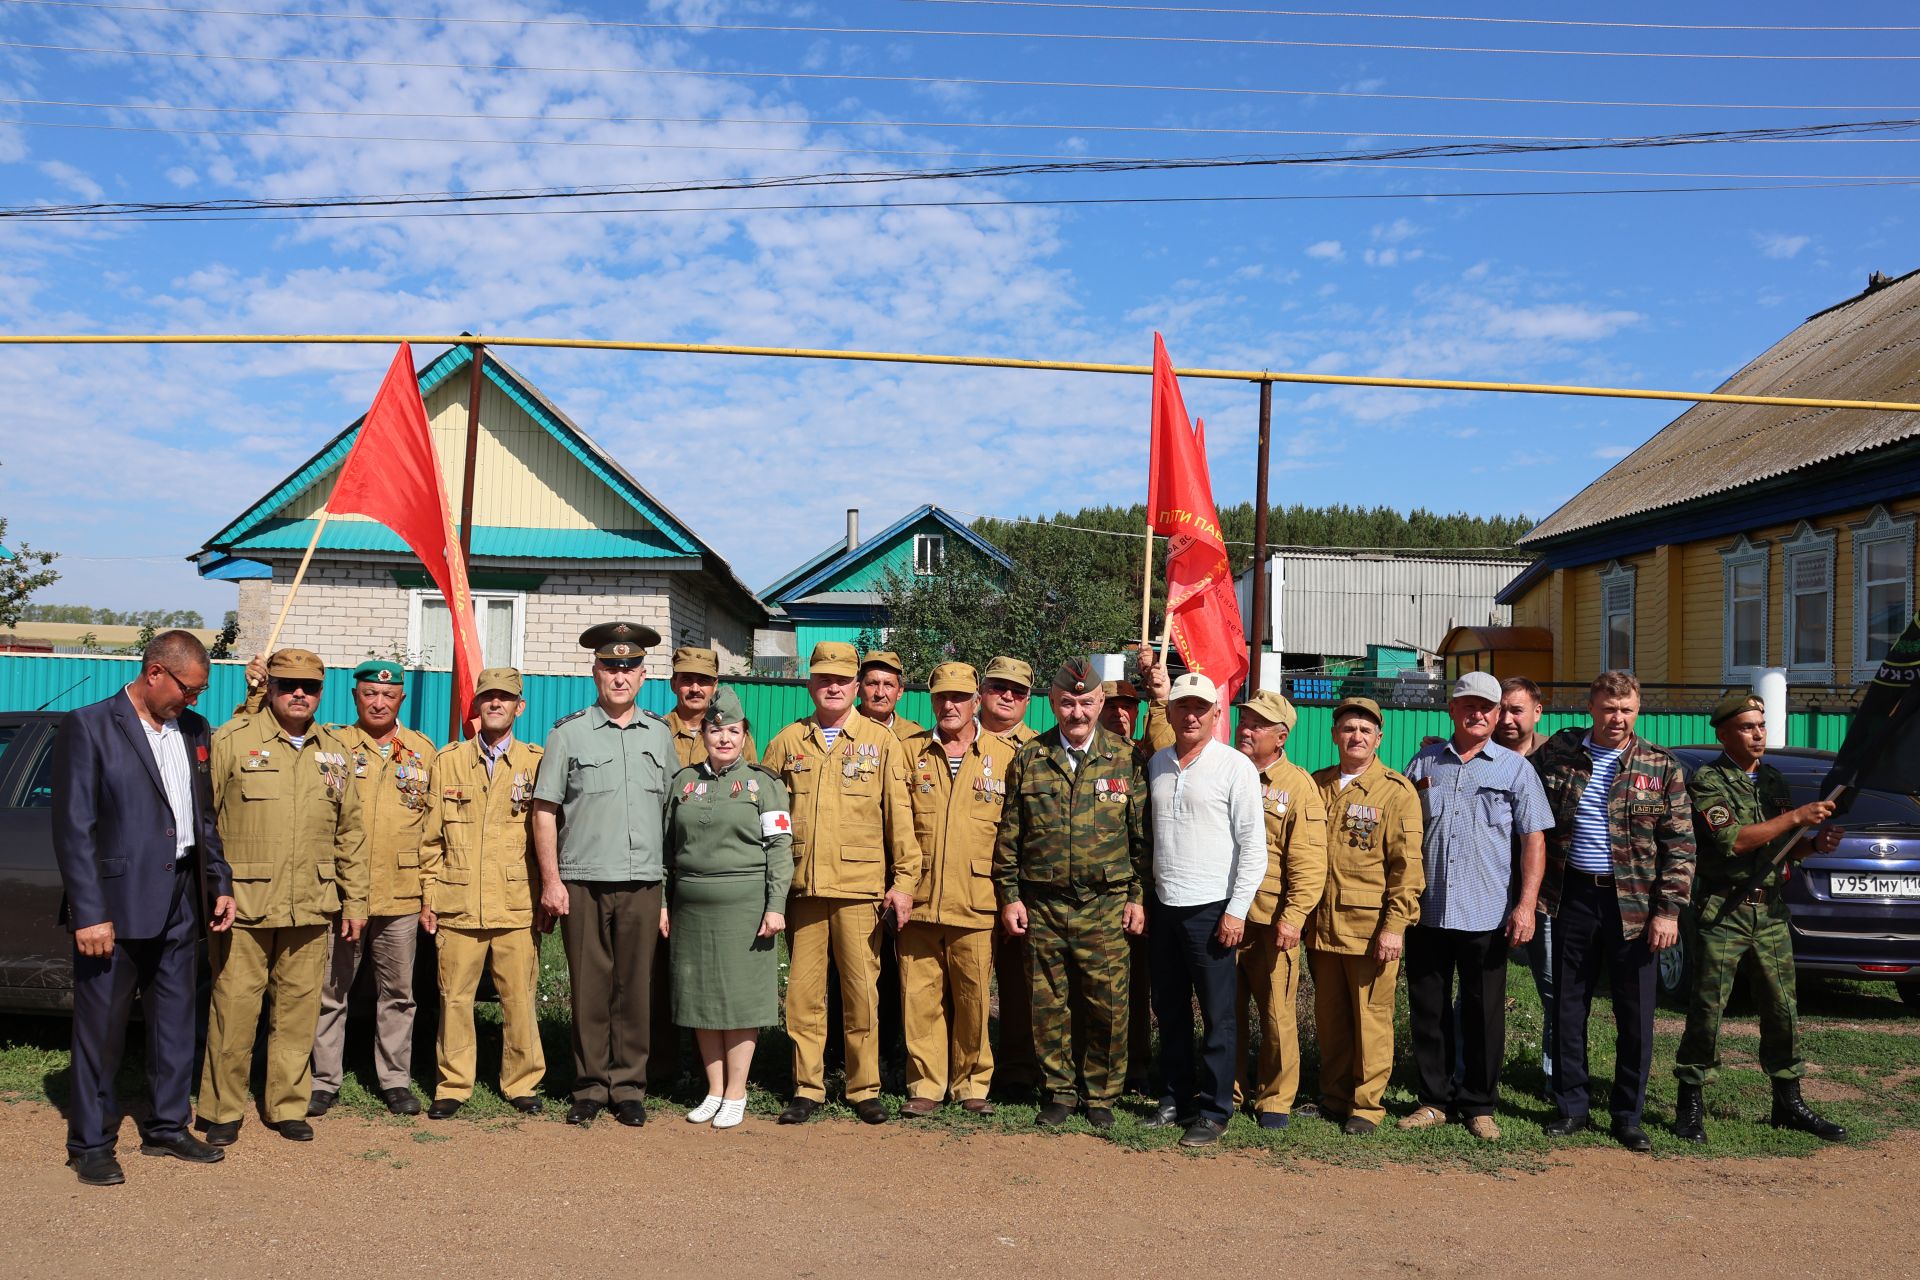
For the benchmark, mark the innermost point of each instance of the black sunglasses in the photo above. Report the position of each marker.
(309, 687)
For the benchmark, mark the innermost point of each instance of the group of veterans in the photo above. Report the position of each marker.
(1112, 872)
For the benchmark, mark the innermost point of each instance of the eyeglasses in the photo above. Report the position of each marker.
(191, 690)
(309, 687)
(994, 686)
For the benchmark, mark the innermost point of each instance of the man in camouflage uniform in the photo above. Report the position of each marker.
(1619, 868)
(1743, 815)
(1070, 870)
(1118, 716)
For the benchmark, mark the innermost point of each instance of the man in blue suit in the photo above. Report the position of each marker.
(140, 858)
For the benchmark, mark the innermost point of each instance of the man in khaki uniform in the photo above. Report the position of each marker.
(289, 818)
(392, 772)
(479, 883)
(696, 675)
(1356, 935)
(1270, 957)
(855, 861)
(1006, 687)
(957, 782)
(883, 678)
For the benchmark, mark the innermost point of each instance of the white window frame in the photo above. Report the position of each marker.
(927, 549)
(1614, 576)
(1879, 527)
(1743, 554)
(1816, 545)
(416, 602)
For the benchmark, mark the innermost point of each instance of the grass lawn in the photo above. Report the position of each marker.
(1861, 1041)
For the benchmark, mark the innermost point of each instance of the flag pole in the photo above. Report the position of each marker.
(1146, 591)
(299, 575)
(457, 714)
(1166, 632)
(1257, 605)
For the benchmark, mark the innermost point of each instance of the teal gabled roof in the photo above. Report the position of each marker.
(488, 540)
(836, 562)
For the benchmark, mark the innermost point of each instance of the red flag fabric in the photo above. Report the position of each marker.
(1200, 597)
(393, 475)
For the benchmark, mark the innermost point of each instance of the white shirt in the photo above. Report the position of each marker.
(169, 747)
(1209, 837)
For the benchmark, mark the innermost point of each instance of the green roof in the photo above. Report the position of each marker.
(488, 540)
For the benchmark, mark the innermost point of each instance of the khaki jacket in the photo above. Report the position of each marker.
(477, 869)
(396, 806)
(906, 730)
(691, 748)
(1296, 819)
(1374, 868)
(290, 823)
(956, 818)
(1020, 735)
(852, 822)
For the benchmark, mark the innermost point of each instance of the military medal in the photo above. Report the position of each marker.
(687, 790)
(753, 787)
(736, 788)
(700, 790)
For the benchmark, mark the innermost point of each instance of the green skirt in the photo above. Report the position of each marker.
(724, 977)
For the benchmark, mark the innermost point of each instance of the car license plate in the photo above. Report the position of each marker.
(1851, 884)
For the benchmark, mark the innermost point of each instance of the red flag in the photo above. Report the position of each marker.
(392, 475)
(1200, 596)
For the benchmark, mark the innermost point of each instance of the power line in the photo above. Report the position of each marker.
(1404, 17)
(734, 28)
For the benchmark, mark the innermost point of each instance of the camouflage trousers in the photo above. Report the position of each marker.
(1755, 936)
(1077, 968)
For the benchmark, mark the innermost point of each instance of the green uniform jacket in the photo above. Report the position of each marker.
(611, 785)
(290, 823)
(477, 868)
(396, 808)
(1725, 799)
(1078, 832)
(731, 823)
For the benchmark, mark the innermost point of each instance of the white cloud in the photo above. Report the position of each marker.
(71, 179)
(1559, 322)
(1775, 244)
(1326, 251)
(1612, 452)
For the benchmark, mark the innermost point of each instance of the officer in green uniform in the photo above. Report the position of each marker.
(1070, 871)
(605, 771)
(1743, 815)
(289, 818)
(392, 771)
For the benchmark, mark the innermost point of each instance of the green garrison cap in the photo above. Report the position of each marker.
(725, 709)
(1732, 705)
(379, 671)
(1076, 675)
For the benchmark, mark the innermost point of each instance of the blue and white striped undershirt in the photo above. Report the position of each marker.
(832, 735)
(1592, 850)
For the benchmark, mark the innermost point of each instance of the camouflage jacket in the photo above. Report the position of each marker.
(1077, 832)
(1725, 799)
(1649, 820)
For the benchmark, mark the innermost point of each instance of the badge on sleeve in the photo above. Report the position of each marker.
(775, 822)
(1719, 817)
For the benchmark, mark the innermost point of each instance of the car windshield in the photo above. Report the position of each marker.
(8, 732)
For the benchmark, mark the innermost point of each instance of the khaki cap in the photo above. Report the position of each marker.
(954, 677)
(296, 664)
(1076, 675)
(1271, 707)
(1365, 706)
(884, 658)
(1120, 689)
(619, 641)
(834, 658)
(498, 679)
(1734, 704)
(694, 661)
(1012, 670)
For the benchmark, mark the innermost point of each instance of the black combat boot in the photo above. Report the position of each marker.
(1690, 1115)
(1790, 1111)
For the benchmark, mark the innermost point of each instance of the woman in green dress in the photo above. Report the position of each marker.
(729, 863)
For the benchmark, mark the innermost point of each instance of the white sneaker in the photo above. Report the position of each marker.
(705, 1111)
(731, 1112)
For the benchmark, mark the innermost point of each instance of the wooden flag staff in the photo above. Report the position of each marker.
(299, 576)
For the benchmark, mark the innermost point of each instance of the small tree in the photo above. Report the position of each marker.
(22, 573)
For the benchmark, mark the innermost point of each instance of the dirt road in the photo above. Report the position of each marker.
(837, 1199)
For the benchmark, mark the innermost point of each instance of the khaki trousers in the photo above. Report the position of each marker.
(1270, 979)
(514, 957)
(850, 930)
(609, 932)
(1353, 1007)
(945, 972)
(1018, 1062)
(248, 964)
(392, 941)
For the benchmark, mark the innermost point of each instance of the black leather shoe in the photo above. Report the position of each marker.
(295, 1130)
(1357, 1126)
(1100, 1117)
(443, 1108)
(97, 1169)
(321, 1102)
(872, 1111)
(527, 1106)
(631, 1113)
(1631, 1136)
(583, 1112)
(1052, 1115)
(1790, 1111)
(222, 1134)
(1690, 1115)
(183, 1146)
(401, 1102)
(1165, 1116)
(799, 1111)
(1565, 1126)
(1202, 1133)
(1274, 1120)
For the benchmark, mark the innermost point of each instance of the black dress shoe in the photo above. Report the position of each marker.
(97, 1169)
(401, 1102)
(443, 1108)
(527, 1106)
(1202, 1133)
(321, 1102)
(1565, 1126)
(222, 1134)
(1357, 1126)
(872, 1111)
(799, 1111)
(1165, 1116)
(295, 1130)
(1052, 1115)
(1100, 1117)
(631, 1113)
(183, 1146)
(1631, 1136)
(582, 1112)
(1274, 1120)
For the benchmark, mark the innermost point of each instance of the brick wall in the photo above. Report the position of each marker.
(345, 610)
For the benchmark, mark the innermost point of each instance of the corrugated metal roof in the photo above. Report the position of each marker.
(1867, 348)
(531, 544)
(1337, 605)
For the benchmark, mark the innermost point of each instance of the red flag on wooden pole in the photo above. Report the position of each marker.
(1202, 610)
(393, 475)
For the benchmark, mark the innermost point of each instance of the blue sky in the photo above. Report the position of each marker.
(125, 459)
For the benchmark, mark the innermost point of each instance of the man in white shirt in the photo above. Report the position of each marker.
(1209, 856)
